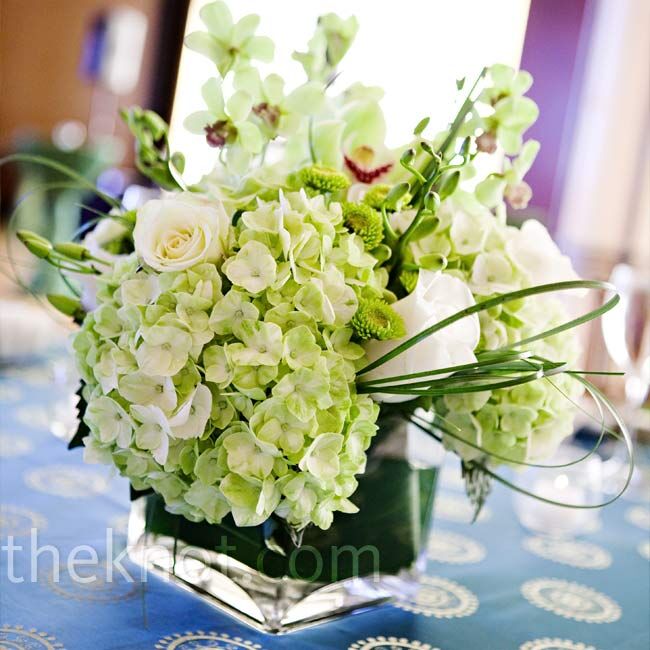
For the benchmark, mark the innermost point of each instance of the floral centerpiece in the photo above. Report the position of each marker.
(262, 346)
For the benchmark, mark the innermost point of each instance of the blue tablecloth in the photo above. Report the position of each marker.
(490, 585)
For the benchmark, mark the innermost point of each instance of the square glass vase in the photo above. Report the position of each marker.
(262, 577)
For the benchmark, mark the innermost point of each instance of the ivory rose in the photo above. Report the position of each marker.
(179, 231)
(436, 296)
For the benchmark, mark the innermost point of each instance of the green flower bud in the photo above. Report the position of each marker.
(432, 202)
(67, 305)
(323, 179)
(38, 248)
(35, 244)
(449, 185)
(24, 235)
(376, 319)
(365, 222)
(73, 251)
(427, 148)
(407, 157)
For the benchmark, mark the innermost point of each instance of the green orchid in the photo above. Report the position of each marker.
(226, 124)
(512, 112)
(227, 44)
(331, 41)
(277, 113)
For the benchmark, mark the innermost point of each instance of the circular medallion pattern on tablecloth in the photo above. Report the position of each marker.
(97, 583)
(12, 445)
(16, 637)
(9, 393)
(581, 555)
(644, 550)
(451, 548)
(19, 522)
(389, 643)
(452, 507)
(440, 598)
(571, 600)
(639, 516)
(69, 481)
(554, 644)
(208, 640)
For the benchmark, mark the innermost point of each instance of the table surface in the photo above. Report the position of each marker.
(490, 585)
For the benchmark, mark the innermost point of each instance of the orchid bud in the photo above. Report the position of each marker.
(407, 157)
(449, 185)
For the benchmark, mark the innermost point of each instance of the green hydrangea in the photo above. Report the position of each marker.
(231, 389)
(527, 422)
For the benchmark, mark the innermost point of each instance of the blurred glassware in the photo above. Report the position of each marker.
(626, 330)
(579, 484)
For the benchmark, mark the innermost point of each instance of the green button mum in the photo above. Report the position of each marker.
(376, 319)
(323, 179)
(362, 220)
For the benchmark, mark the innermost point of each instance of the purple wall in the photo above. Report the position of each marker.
(553, 55)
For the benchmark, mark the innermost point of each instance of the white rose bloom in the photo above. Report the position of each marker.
(537, 255)
(179, 231)
(436, 297)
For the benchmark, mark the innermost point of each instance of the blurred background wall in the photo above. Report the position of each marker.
(42, 77)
